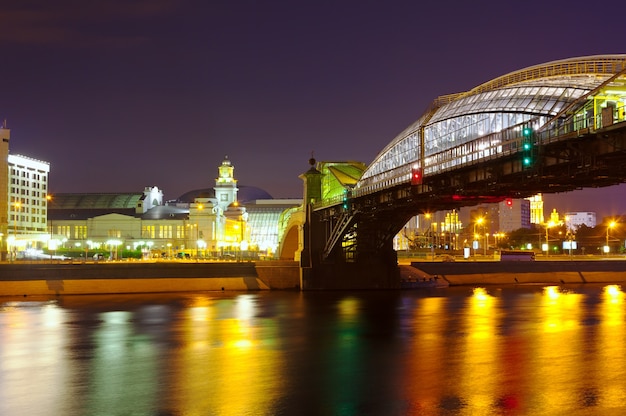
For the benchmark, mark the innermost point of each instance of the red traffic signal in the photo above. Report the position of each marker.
(508, 202)
(416, 176)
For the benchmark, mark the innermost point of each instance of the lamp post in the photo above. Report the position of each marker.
(486, 243)
(17, 206)
(608, 227)
(88, 244)
(197, 242)
(475, 241)
(429, 216)
(200, 207)
(548, 225)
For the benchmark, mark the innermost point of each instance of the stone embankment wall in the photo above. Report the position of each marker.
(141, 277)
(548, 272)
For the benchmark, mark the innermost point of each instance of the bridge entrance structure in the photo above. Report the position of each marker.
(554, 127)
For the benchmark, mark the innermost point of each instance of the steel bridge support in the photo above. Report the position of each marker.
(359, 258)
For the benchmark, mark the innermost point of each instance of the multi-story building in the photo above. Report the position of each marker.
(573, 220)
(536, 209)
(514, 214)
(5, 135)
(23, 210)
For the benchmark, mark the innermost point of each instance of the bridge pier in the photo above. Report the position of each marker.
(371, 269)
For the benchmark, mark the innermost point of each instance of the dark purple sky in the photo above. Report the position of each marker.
(118, 95)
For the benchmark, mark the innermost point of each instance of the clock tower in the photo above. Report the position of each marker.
(225, 185)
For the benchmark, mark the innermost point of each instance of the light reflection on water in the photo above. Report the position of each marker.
(524, 350)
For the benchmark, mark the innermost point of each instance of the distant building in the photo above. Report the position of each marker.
(514, 214)
(23, 209)
(536, 209)
(205, 223)
(573, 220)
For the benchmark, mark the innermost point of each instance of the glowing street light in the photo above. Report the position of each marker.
(478, 221)
(608, 227)
(429, 217)
(546, 246)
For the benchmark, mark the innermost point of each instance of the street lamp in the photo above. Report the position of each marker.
(429, 216)
(608, 227)
(48, 199)
(478, 221)
(486, 243)
(17, 205)
(547, 245)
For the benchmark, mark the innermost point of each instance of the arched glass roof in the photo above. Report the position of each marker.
(540, 90)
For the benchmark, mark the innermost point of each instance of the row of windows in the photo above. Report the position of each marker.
(457, 131)
(27, 218)
(26, 192)
(25, 183)
(163, 231)
(29, 174)
(14, 200)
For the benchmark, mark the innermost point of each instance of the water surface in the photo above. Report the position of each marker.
(523, 350)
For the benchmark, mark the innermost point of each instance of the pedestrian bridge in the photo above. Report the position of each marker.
(549, 128)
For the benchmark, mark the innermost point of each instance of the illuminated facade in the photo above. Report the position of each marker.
(28, 188)
(514, 214)
(536, 209)
(573, 220)
(205, 223)
(23, 210)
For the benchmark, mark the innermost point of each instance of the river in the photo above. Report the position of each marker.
(512, 350)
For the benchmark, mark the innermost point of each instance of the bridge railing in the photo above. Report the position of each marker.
(583, 122)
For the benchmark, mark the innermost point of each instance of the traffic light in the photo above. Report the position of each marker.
(508, 202)
(345, 202)
(527, 147)
(416, 176)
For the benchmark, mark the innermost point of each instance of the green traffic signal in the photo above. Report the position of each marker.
(527, 161)
(527, 132)
(527, 146)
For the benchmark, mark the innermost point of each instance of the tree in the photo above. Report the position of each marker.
(520, 238)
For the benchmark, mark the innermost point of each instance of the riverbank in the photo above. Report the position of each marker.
(548, 272)
(24, 279)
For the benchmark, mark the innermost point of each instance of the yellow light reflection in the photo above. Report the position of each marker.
(480, 370)
(425, 377)
(348, 308)
(560, 308)
(611, 359)
(555, 349)
(224, 345)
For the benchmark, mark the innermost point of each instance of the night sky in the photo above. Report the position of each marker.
(118, 95)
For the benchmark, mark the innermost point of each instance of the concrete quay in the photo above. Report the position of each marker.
(73, 278)
(525, 272)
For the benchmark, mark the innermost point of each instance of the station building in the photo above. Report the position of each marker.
(225, 221)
